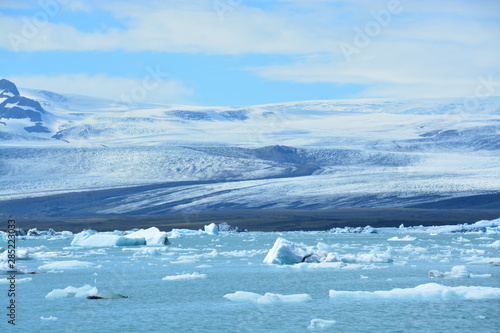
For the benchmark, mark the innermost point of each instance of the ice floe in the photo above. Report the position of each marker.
(267, 298)
(285, 252)
(321, 324)
(21, 280)
(406, 238)
(455, 273)
(495, 244)
(21, 254)
(151, 237)
(212, 229)
(82, 292)
(69, 264)
(191, 276)
(48, 318)
(422, 292)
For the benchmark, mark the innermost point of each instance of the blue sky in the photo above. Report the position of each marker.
(237, 52)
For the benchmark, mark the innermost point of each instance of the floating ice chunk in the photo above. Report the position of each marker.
(192, 276)
(179, 233)
(212, 229)
(285, 252)
(148, 252)
(357, 230)
(82, 292)
(382, 257)
(152, 236)
(319, 265)
(406, 238)
(70, 264)
(6, 269)
(242, 253)
(495, 262)
(57, 294)
(495, 244)
(321, 324)
(456, 272)
(422, 292)
(226, 227)
(9, 281)
(48, 318)
(21, 254)
(267, 298)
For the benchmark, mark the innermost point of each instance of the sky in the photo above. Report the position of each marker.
(248, 52)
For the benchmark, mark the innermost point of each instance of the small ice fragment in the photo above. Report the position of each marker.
(194, 275)
(321, 324)
(267, 298)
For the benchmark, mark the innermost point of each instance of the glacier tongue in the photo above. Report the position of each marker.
(156, 159)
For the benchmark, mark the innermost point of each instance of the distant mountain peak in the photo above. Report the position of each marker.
(15, 106)
(8, 89)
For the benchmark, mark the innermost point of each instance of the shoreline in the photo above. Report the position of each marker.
(265, 219)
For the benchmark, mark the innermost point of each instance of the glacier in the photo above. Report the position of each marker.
(97, 157)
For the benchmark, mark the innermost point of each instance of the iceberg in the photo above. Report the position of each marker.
(69, 264)
(321, 324)
(267, 298)
(151, 237)
(192, 276)
(212, 229)
(456, 272)
(285, 252)
(82, 292)
(422, 292)
(406, 238)
(21, 254)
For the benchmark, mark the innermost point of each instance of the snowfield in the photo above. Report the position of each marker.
(300, 155)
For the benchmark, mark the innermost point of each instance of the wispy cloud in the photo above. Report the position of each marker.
(396, 48)
(119, 89)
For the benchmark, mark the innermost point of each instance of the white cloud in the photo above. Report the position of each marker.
(437, 48)
(170, 26)
(433, 54)
(151, 88)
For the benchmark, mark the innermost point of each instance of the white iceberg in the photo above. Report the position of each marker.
(82, 292)
(267, 298)
(422, 292)
(179, 233)
(456, 272)
(69, 264)
(321, 324)
(152, 236)
(192, 276)
(212, 229)
(406, 238)
(21, 254)
(495, 244)
(285, 252)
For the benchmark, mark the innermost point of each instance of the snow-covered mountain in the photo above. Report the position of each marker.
(301, 155)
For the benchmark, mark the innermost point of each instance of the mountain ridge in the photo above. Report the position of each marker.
(295, 155)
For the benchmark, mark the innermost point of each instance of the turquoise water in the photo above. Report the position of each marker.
(234, 262)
